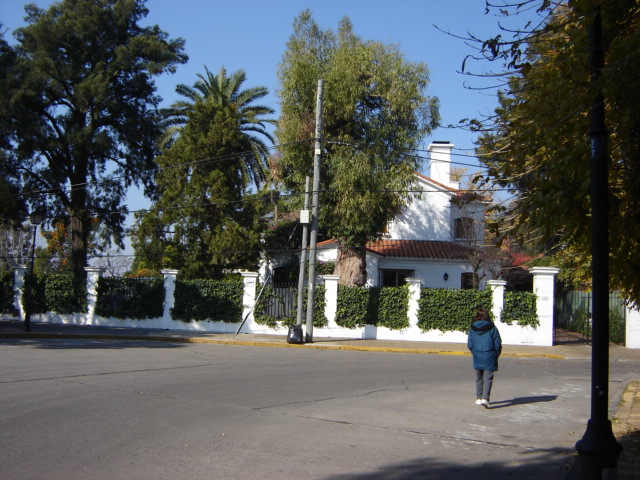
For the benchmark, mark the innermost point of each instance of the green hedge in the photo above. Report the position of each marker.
(6, 291)
(520, 307)
(381, 306)
(269, 295)
(450, 310)
(130, 298)
(208, 300)
(58, 293)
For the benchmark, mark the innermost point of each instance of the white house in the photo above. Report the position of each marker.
(433, 239)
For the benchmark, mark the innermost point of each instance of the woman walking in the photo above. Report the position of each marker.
(486, 345)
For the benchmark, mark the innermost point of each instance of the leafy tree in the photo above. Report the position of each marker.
(204, 222)
(538, 142)
(86, 119)
(375, 113)
(15, 245)
(12, 208)
(225, 91)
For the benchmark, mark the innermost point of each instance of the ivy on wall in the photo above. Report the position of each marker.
(58, 293)
(353, 307)
(450, 310)
(208, 300)
(130, 297)
(6, 291)
(382, 306)
(520, 307)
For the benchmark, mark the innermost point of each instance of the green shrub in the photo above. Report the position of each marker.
(130, 298)
(57, 293)
(392, 307)
(617, 326)
(208, 300)
(6, 291)
(382, 306)
(520, 307)
(353, 307)
(450, 310)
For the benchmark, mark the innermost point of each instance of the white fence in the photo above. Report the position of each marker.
(543, 287)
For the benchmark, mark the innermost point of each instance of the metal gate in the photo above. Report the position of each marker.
(282, 303)
(572, 317)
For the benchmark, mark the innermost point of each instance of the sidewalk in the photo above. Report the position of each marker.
(15, 329)
(626, 424)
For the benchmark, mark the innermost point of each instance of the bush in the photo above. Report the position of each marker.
(6, 291)
(520, 307)
(381, 306)
(58, 293)
(353, 307)
(451, 310)
(208, 300)
(617, 326)
(130, 298)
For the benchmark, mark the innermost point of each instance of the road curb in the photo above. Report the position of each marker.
(253, 343)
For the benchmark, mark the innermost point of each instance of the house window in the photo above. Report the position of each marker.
(463, 228)
(469, 281)
(394, 278)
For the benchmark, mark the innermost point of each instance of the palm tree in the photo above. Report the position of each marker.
(225, 92)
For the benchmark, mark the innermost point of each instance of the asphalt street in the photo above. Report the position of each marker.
(101, 409)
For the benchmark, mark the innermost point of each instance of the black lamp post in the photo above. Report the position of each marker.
(35, 219)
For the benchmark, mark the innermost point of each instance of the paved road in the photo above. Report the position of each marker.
(96, 409)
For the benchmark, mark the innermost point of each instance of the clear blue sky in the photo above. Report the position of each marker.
(252, 35)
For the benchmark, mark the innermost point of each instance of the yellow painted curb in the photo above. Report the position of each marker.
(252, 343)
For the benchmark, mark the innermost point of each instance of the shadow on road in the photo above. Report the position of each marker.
(523, 401)
(531, 465)
(85, 343)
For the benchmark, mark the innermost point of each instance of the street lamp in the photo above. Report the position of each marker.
(35, 219)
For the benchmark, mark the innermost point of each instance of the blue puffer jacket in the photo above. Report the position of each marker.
(485, 344)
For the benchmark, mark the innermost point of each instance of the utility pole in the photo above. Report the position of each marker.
(303, 252)
(598, 448)
(313, 241)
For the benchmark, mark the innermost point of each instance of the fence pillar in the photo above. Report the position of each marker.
(415, 285)
(632, 320)
(19, 272)
(497, 289)
(543, 287)
(250, 280)
(169, 292)
(331, 299)
(93, 277)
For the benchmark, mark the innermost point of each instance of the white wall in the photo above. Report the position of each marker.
(426, 217)
(511, 334)
(429, 272)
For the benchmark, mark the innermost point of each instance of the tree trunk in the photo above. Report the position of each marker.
(78, 246)
(351, 266)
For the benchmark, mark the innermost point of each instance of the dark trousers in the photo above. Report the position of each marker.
(484, 382)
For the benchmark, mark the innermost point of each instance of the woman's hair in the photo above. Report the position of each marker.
(482, 314)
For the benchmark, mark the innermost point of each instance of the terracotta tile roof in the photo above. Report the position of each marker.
(420, 249)
(412, 249)
(442, 185)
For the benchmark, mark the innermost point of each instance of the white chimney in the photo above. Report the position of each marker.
(441, 163)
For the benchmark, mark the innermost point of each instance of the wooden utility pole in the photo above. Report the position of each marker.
(313, 241)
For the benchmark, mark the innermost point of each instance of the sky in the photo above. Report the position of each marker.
(252, 35)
